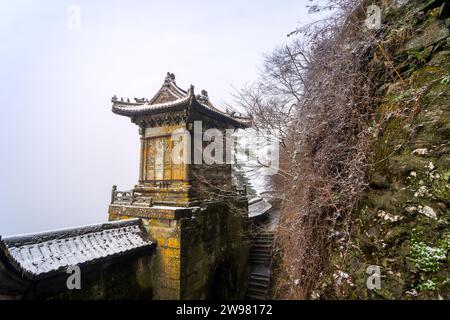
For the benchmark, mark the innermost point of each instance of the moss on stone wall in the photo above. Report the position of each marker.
(127, 279)
(214, 239)
(402, 224)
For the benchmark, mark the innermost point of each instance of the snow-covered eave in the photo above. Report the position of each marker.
(14, 242)
(234, 121)
(62, 270)
(142, 109)
(12, 278)
(258, 207)
(136, 109)
(132, 109)
(31, 238)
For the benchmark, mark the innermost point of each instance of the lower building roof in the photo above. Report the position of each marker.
(258, 207)
(40, 255)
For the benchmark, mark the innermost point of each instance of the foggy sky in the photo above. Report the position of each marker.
(61, 146)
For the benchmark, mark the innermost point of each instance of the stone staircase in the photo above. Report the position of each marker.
(260, 257)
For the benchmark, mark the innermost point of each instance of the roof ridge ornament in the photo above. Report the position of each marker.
(170, 77)
(203, 96)
(142, 100)
(190, 91)
(172, 98)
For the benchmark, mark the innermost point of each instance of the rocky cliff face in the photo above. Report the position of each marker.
(402, 224)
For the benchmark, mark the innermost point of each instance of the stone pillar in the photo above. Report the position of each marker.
(142, 155)
(164, 226)
(192, 244)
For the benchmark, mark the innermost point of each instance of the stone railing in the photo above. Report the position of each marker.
(130, 198)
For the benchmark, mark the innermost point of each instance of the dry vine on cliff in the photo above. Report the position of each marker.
(314, 95)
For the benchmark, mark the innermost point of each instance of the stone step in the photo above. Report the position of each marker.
(260, 255)
(264, 285)
(264, 252)
(259, 276)
(266, 246)
(262, 242)
(261, 245)
(260, 261)
(263, 233)
(264, 262)
(264, 236)
(261, 250)
(257, 291)
(257, 250)
(255, 297)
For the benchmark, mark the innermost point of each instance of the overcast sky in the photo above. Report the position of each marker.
(61, 146)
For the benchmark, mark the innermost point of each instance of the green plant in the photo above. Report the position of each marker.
(427, 258)
(446, 80)
(421, 56)
(428, 285)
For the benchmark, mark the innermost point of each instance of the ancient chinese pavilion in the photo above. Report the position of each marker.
(162, 181)
(181, 233)
(192, 210)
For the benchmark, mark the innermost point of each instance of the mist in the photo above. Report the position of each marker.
(62, 147)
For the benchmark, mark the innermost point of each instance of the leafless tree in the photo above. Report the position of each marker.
(315, 95)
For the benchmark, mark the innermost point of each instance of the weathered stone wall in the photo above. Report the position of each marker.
(163, 226)
(194, 236)
(128, 279)
(166, 267)
(402, 225)
(119, 278)
(191, 244)
(215, 240)
(211, 181)
(161, 178)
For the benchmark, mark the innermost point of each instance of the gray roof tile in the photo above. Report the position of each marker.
(38, 255)
(258, 206)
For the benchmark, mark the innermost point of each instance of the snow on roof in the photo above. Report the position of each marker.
(40, 254)
(177, 98)
(258, 206)
(136, 109)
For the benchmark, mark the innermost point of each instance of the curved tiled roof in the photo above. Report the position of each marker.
(133, 109)
(172, 97)
(41, 254)
(257, 207)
